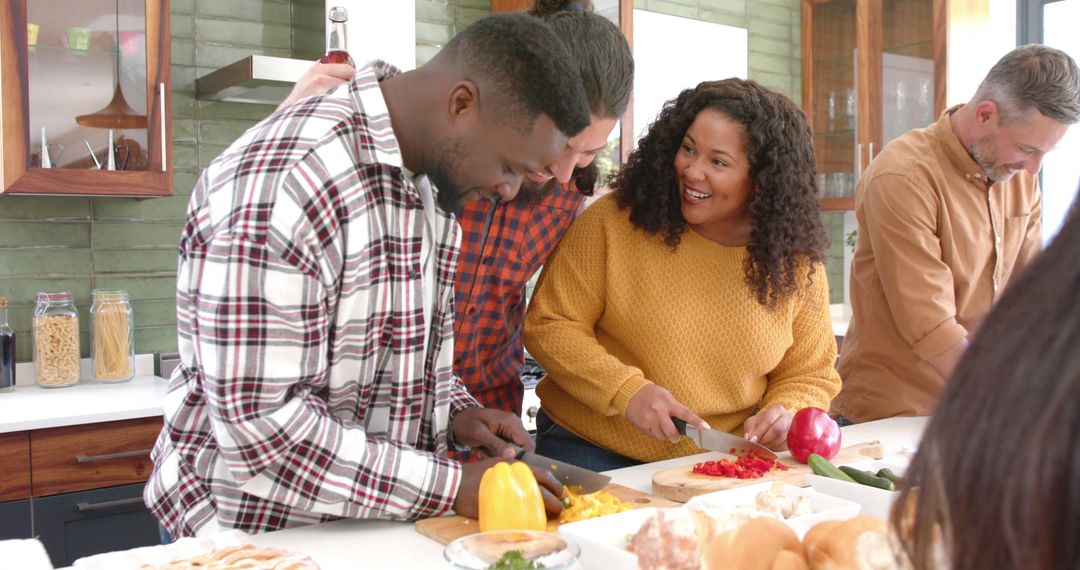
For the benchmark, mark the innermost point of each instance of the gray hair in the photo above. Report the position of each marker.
(1034, 76)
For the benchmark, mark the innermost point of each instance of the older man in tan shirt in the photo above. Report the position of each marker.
(946, 216)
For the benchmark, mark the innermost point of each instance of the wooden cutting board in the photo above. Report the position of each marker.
(681, 484)
(449, 528)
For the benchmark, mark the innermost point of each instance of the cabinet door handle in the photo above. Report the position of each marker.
(108, 456)
(858, 162)
(90, 507)
(871, 159)
(161, 112)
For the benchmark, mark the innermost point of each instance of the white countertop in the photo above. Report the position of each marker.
(348, 544)
(33, 407)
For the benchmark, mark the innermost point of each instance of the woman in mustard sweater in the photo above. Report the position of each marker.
(696, 290)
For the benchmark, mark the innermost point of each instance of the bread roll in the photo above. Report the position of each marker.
(673, 538)
(760, 544)
(861, 543)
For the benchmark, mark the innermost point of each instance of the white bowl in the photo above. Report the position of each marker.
(481, 550)
(603, 540)
(874, 501)
(823, 506)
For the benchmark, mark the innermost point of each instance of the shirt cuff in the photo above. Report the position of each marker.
(630, 387)
(450, 441)
(942, 338)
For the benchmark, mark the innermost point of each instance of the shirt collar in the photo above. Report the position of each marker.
(955, 151)
(368, 98)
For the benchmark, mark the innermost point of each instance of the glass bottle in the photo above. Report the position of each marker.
(112, 346)
(56, 340)
(7, 350)
(336, 50)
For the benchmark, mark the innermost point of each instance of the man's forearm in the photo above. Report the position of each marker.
(946, 362)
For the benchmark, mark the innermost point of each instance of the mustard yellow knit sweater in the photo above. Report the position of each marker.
(616, 308)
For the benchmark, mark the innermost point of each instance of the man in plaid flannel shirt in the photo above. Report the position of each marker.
(504, 243)
(314, 292)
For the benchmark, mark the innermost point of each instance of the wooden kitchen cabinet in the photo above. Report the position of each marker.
(83, 81)
(872, 70)
(15, 459)
(78, 488)
(92, 456)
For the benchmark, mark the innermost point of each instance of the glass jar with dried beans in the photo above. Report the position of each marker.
(112, 350)
(56, 340)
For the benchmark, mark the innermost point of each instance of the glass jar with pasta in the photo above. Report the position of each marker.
(112, 346)
(56, 340)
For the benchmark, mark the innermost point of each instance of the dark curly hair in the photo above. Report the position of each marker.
(786, 227)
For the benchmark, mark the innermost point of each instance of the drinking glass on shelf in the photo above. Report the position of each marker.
(849, 107)
(832, 185)
(822, 180)
(924, 102)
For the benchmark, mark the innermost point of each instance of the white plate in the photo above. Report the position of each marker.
(823, 506)
(874, 501)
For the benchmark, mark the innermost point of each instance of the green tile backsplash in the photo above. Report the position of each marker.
(79, 244)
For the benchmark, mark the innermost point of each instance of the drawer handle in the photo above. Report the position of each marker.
(108, 456)
(90, 507)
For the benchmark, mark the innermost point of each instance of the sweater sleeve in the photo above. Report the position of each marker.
(806, 376)
(560, 324)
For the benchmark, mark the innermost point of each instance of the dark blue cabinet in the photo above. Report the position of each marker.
(15, 520)
(74, 525)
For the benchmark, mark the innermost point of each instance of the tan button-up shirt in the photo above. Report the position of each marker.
(937, 244)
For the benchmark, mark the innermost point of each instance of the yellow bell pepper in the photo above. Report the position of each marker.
(580, 507)
(510, 499)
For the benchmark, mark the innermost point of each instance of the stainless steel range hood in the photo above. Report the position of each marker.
(254, 79)
(386, 30)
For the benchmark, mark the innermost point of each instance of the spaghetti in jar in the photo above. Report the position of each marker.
(112, 346)
(56, 340)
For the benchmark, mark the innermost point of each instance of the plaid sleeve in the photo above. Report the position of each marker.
(263, 343)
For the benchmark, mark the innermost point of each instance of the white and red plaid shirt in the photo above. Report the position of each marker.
(306, 392)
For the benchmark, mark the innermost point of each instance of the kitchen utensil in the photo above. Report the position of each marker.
(110, 161)
(721, 441)
(680, 483)
(580, 479)
(92, 155)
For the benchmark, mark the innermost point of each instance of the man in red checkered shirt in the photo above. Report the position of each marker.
(314, 292)
(505, 242)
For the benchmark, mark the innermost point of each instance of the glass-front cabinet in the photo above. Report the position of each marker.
(85, 97)
(872, 70)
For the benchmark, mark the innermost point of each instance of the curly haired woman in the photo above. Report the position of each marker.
(696, 290)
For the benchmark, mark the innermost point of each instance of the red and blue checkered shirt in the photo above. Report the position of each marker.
(489, 298)
(306, 392)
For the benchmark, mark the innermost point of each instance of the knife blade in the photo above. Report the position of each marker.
(721, 441)
(578, 478)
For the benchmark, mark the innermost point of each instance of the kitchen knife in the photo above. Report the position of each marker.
(716, 440)
(579, 479)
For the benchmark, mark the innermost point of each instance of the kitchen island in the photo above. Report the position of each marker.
(383, 544)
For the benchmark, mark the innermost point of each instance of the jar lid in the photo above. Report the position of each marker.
(54, 296)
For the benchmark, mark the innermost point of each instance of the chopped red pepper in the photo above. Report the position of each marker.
(746, 467)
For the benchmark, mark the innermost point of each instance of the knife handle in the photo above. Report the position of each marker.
(679, 424)
(518, 450)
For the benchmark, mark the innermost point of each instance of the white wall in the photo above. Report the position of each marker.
(392, 40)
(1061, 170)
(977, 39)
(673, 53)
